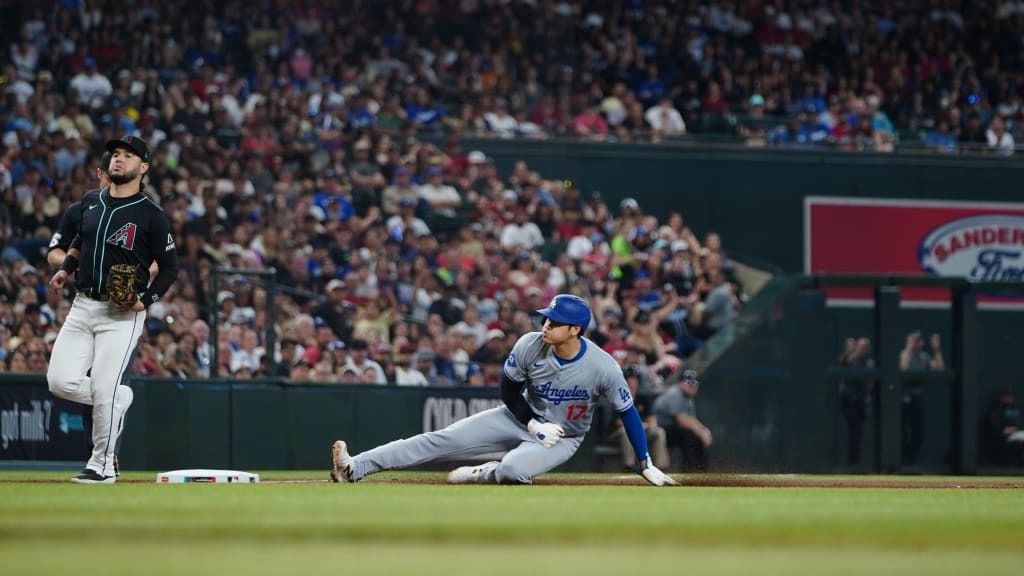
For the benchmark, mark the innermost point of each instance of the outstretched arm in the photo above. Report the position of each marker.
(638, 438)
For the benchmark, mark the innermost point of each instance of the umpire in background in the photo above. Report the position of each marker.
(118, 225)
(677, 414)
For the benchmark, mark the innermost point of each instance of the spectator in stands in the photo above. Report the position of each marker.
(521, 234)
(589, 124)
(425, 365)
(288, 359)
(972, 136)
(676, 412)
(442, 199)
(665, 120)
(335, 310)
(359, 362)
(500, 121)
(942, 139)
(753, 128)
(997, 139)
(262, 129)
(406, 373)
(915, 358)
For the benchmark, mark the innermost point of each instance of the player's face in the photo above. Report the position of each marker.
(126, 166)
(554, 333)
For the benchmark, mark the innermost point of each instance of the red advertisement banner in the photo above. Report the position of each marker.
(979, 241)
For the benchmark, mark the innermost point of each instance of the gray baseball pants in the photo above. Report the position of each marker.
(494, 430)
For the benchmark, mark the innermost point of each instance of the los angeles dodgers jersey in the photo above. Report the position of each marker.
(566, 391)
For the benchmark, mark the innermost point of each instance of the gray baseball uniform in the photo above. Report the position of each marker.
(558, 390)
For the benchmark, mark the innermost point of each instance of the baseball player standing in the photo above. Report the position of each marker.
(551, 383)
(119, 225)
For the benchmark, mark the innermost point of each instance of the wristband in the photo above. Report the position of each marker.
(70, 264)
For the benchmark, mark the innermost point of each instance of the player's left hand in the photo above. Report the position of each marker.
(656, 477)
(547, 433)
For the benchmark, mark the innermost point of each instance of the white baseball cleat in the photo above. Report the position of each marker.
(470, 474)
(341, 463)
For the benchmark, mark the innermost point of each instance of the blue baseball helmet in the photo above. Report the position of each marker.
(568, 309)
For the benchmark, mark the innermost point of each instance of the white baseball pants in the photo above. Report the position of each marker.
(97, 335)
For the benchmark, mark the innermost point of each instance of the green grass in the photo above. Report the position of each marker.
(394, 528)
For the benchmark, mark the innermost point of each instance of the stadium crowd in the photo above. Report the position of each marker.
(298, 136)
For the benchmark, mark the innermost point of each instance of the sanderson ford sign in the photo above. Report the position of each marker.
(979, 241)
(979, 248)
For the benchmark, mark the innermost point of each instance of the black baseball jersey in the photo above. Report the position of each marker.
(130, 230)
(67, 230)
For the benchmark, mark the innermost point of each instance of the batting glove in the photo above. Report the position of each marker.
(547, 433)
(651, 473)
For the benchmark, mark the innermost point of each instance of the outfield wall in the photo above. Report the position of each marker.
(257, 425)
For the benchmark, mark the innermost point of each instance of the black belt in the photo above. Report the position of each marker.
(92, 295)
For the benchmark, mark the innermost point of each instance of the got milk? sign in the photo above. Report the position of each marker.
(979, 241)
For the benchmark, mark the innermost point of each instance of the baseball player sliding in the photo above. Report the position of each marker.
(552, 380)
(119, 226)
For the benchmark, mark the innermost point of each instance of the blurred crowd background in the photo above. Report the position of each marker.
(323, 140)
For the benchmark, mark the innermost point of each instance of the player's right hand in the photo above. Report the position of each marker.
(57, 282)
(656, 477)
(546, 433)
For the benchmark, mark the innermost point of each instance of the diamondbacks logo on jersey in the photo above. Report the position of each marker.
(125, 237)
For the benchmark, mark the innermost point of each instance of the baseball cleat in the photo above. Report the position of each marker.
(90, 476)
(470, 474)
(341, 463)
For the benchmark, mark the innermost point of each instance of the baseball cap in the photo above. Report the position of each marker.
(757, 100)
(225, 295)
(630, 203)
(477, 157)
(137, 145)
(336, 283)
(690, 377)
(494, 333)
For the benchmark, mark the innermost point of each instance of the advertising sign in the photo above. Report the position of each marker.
(34, 425)
(979, 241)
